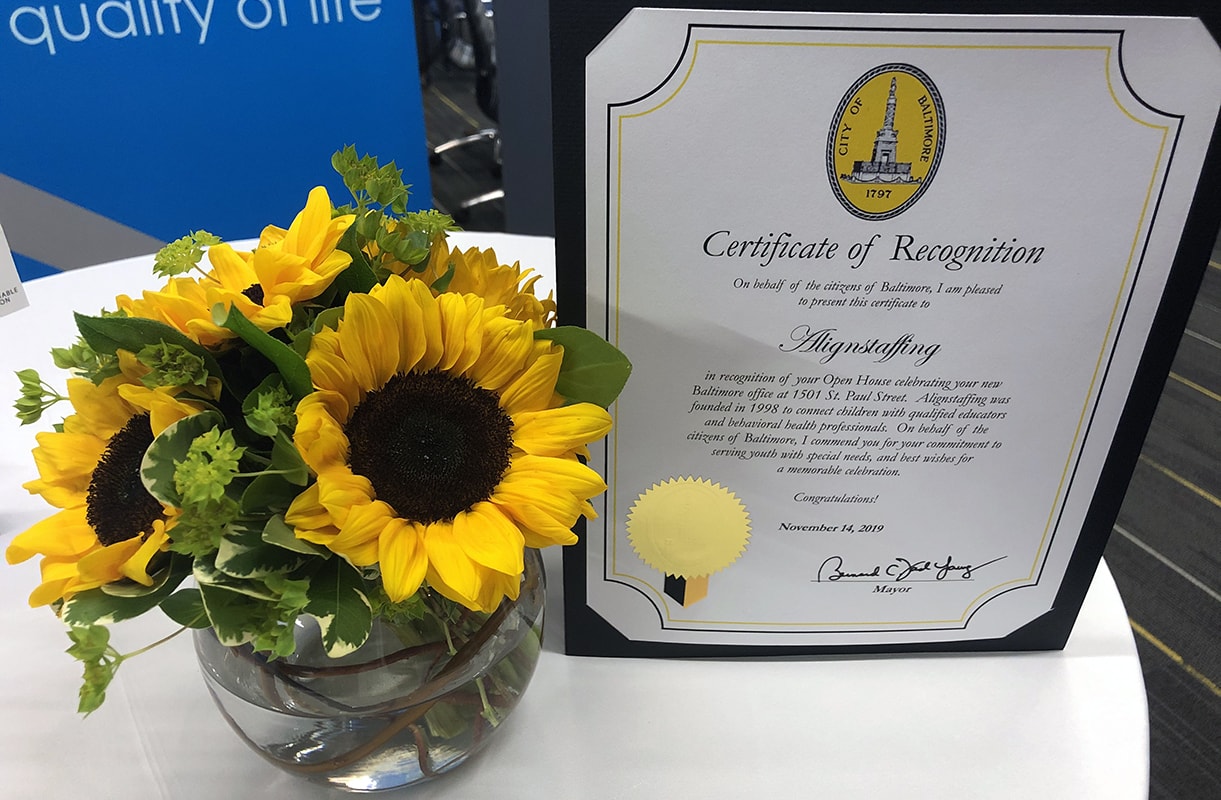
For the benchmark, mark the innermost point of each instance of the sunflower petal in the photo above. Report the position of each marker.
(408, 320)
(306, 513)
(403, 561)
(559, 431)
(319, 436)
(461, 331)
(371, 355)
(490, 538)
(231, 267)
(450, 570)
(534, 389)
(65, 464)
(136, 567)
(359, 534)
(65, 534)
(506, 346)
(430, 325)
(342, 492)
(58, 578)
(105, 564)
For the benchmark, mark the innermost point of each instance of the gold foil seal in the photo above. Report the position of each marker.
(688, 527)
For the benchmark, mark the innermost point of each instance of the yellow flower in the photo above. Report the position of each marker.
(480, 272)
(109, 527)
(440, 446)
(289, 266)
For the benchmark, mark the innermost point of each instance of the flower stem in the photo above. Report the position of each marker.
(148, 647)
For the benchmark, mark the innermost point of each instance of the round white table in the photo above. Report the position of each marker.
(1070, 724)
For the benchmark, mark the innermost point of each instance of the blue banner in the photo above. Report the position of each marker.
(127, 123)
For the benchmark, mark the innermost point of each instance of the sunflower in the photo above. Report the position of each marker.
(109, 527)
(480, 272)
(288, 267)
(440, 446)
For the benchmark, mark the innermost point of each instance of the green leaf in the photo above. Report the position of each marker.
(359, 275)
(339, 603)
(91, 646)
(158, 465)
(96, 607)
(208, 576)
(108, 335)
(593, 370)
(286, 458)
(268, 492)
(80, 359)
(244, 554)
(301, 342)
(186, 608)
(36, 396)
(172, 365)
(268, 407)
(328, 319)
(288, 362)
(281, 534)
(441, 284)
(281, 482)
(235, 618)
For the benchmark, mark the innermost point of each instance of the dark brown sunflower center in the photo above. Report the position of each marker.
(117, 506)
(254, 293)
(431, 444)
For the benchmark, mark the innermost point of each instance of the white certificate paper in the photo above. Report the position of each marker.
(885, 282)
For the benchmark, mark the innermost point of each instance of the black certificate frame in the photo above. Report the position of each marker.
(578, 27)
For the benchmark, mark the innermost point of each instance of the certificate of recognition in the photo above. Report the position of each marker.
(886, 283)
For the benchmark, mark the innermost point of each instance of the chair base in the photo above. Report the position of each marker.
(482, 135)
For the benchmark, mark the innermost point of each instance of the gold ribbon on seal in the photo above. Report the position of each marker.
(688, 528)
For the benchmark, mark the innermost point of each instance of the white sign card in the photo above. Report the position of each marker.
(12, 293)
(886, 282)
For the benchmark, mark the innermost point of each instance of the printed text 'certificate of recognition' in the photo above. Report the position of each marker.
(885, 282)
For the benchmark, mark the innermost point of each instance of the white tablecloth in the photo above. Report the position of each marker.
(1069, 724)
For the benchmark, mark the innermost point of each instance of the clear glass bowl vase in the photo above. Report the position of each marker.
(412, 703)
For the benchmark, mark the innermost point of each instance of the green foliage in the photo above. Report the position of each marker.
(201, 526)
(382, 220)
(288, 362)
(441, 284)
(91, 646)
(36, 396)
(162, 457)
(172, 365)
(429, 222)
(80, 359)
(403, 614)
(369, 183)
(242, 553)
(593, 370)
(183, 255)
(269, 408)
(185, 607)
(339, 601)
(96, 607)
(277, 485)
(108, 335)
(209, 467)
(278, 532)
(265, 621)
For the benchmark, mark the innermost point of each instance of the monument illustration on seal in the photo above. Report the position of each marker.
(885, 166)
